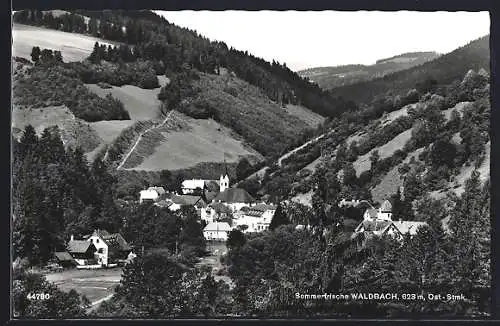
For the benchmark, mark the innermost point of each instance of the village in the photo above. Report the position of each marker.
(221, 209)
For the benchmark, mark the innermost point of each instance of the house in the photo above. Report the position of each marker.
(407, 227)
(151, 194)
(64, 259)
(395, 229)
(234, 198)
(178, 201)
(223, 183)
(384, 212)
(215, 212)
(192, 186)
(256, 218)
(111, 248)
(217, 231)
(82, 251)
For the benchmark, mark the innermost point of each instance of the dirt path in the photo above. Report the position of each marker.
(260, 173)
(140, 137)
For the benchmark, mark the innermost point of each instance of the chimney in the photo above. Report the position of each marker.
(71, 238)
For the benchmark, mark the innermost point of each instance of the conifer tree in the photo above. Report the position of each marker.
(279, 218)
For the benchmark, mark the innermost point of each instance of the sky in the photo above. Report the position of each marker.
(307, 39)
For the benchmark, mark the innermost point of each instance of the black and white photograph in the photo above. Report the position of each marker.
(250, 164)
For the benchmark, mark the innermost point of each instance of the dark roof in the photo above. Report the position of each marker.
(63, 256)
(262, 207)
(234, 195)
(79, 246)
(117, 241)
(187, 200)
(370, 226)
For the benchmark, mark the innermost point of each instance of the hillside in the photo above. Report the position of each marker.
(444, 70)
(74, 47)
(332, 77)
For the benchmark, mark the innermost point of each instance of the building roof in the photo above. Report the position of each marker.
(159, 190)
(372, 212)
(63, 256)
(408, 226)
(234, 195)
(217, 226)
(373, 226)
(79, 246)
(262, 207)
(187, 200)
(116, 241)
(386, 206)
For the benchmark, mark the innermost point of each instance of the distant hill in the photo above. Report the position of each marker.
(444, 70)
(332, 77)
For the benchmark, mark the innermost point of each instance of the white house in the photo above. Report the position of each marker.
(256, 218)
(383, 213)
(177, 201)
(151, 194)
(110, 247)
(193, 185)
(217, 231)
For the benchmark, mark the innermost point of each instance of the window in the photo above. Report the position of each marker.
(92, 240)
(96, 240)
(101, 250)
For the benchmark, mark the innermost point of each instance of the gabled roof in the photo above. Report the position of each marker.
(116, 241)
(234, 195)
(262, 207)
(408, 226)
(386, 206)
(79, 246)
(187, 200)
(159, 190)
(217, 226)
(63, 256)
(373, 226)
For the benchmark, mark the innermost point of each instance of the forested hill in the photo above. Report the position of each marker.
(332, 77)
(152, 37)
(444, 70)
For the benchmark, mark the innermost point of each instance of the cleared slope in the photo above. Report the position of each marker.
(311, 118)
(184, 142)
(73, 47)
(141, 104)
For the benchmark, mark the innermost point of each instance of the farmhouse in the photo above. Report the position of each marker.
(217, 231)
(176, 202)
(111, 248)
(82, 251)
(151, 194)
(64, 259)
(192, 186)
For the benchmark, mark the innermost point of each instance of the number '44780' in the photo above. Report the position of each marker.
(38, 296)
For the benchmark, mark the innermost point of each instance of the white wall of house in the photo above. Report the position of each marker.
(385, 216)
(148, 195)
(215, 235)
(207, 214)
(102, 249)
(174, 207)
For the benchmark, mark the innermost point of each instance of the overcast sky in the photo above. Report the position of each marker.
(306, 39)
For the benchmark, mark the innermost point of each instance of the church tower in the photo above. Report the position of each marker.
(223, 182)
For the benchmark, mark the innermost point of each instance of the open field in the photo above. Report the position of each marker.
(304, 114)
(392, 180)
(458, 185)
(141, 104)
(74, 131)
(196, 141)
(363, 162)
(94, 284)
(73, 47)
